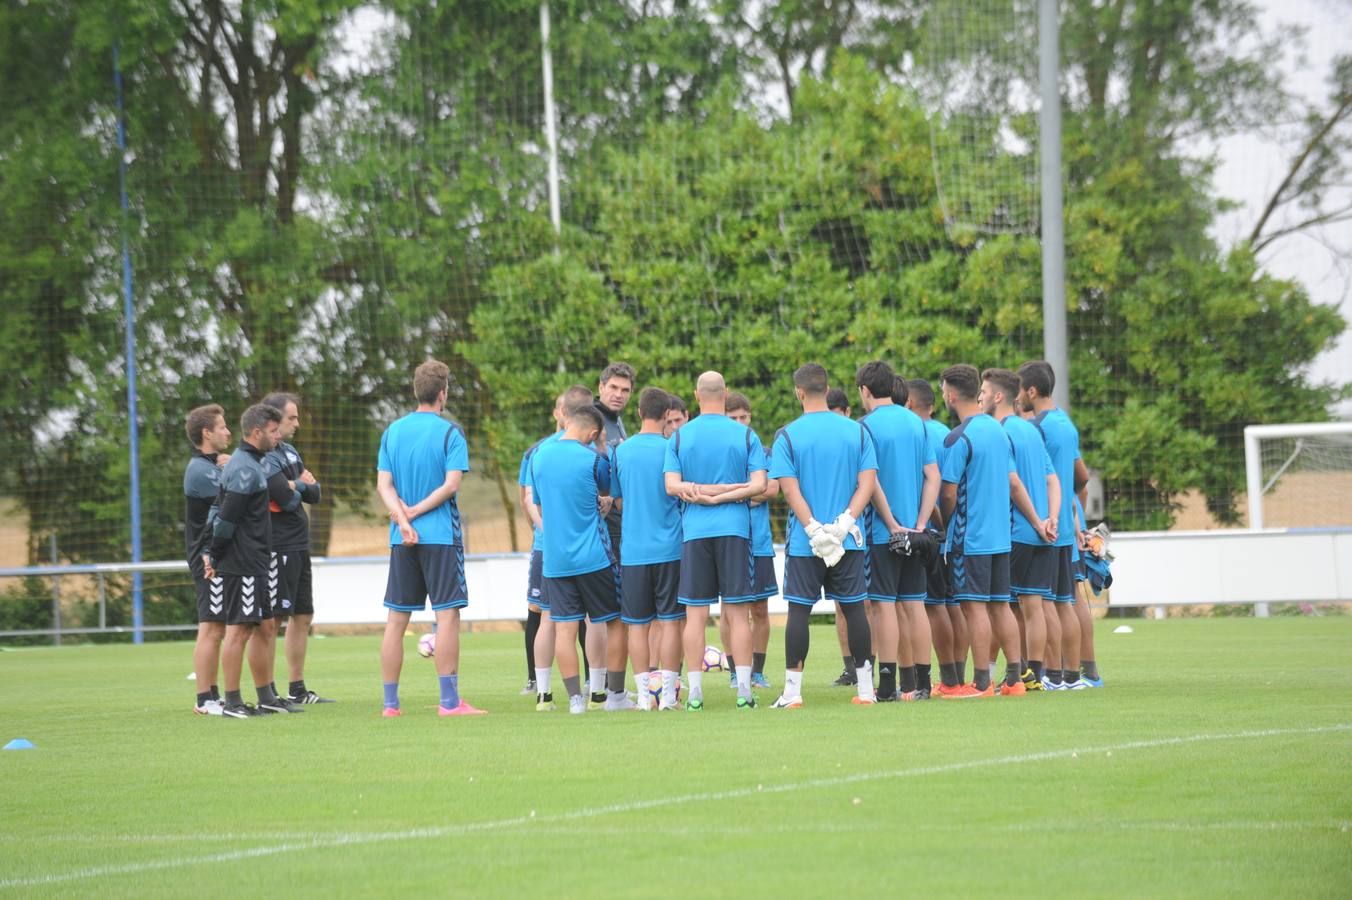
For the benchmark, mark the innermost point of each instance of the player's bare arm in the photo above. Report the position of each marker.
(438, 496)
(398, 513)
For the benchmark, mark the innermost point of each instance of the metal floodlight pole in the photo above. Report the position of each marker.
(129, 317)
(551, 123)
(1054, 341)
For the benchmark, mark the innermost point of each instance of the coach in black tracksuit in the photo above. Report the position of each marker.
(241, 541)
(290, 486)
(209, 436)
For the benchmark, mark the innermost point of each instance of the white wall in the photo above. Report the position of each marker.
(1152, 569)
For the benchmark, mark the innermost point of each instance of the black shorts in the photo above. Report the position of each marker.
(893, 576)
(535, 592)
(806, 577)
(936, 582)
(648, 592)
(595, 594)
(983, 578)
(290, 583)
(210, 598)
(423, 572)
(1032, 570)
(1063, 589)
(763, 583)
(246, 598)
(714, 568)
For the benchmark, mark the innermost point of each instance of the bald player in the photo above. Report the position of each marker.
(715, 466)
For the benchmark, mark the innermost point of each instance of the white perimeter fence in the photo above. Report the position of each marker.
(1154, 569)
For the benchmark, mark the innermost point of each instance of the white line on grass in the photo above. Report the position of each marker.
(341, 839)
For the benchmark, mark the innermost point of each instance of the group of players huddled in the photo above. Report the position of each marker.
(248, 546)
(963, 542)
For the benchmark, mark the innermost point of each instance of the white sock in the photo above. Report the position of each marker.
(542, 677)
(645, 699)
(598, 680)
(696, 685)
(992, 671)
(669, 686)
(865, 679)
(793, 685)
(744, 681)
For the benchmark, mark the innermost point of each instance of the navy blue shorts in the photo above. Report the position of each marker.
(806, 577)
(983, 578)
(210, 598)
(1063, 588)
(246, 598)
(595, 595)
(1032, 570)
(763, 584)
(648, 592)
(936, 582)
(422, 572)
(535, 580)
(714, 568)
(894, 576)
(1081, 569)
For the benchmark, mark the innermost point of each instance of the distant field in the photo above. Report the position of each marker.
(1218, 761)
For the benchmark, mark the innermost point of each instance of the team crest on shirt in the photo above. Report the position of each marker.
(292, 457)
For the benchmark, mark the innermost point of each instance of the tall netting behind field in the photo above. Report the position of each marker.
(1306, 480)
(320, 196)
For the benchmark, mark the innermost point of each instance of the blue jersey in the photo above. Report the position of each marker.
(523, 479)
(826, 452)
(1034, 465)
(418, 450)
(713, 449)
(652, 518)
(903, 451)
(978, 459)
(1063, 446)
(761, 542)
(936, 432)
(567, 479)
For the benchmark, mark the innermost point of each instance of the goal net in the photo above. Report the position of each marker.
(1299, 475)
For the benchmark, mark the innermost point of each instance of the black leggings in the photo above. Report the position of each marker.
(796, 633)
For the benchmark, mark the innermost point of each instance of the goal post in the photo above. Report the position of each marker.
(1274, 452)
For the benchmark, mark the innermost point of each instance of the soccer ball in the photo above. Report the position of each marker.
(713, 659)
(427, 645)
(655, 690)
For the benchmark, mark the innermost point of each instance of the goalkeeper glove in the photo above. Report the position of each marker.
(820, 539)
(844, 527)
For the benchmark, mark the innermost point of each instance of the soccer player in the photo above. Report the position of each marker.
(241, 537)
(650, 560)
(290, 485)
(764, 585)
(422, 460)
(979, 483)
(533, 584)
(210, 437)
(581, 575)
(947, 625)
(570, 400)
(828, 470)
(908, 485)
(1036, 381)
(838, 403)
(677, 415)
(1089, 673)
(715, 465)
(1032, 558)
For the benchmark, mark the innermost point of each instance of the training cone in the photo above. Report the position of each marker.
(1122, 629)
(20, 744)
(192, 676)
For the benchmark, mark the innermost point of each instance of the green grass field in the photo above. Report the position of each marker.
(1218, 761)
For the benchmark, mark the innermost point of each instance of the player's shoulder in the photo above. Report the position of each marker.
(954, 435)
(937, 427)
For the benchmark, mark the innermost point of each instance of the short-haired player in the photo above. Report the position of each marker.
(908, 486)
(827, 470)
(764, 584)
(210, 438)
(422, 460)
(569, 479)
(650, 557)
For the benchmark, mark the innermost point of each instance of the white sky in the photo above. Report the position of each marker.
(1253, 165)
